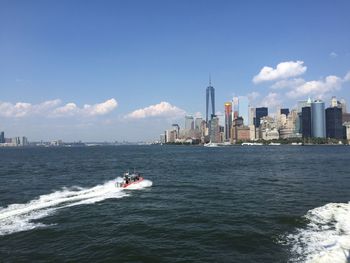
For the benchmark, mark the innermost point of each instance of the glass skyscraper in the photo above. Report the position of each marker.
(334, 127)
(228, 120)
(306, 122)
(259, 113)
(318, 120)
(210, 102)
(189, 124)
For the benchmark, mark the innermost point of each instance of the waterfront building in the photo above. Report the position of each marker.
(241, 133)
(228, 120)
(334, 127)
(347, 130)
(259, 113)
(210, 102)
(318, 119)
(252, 132)
(162, 138)
(306, 122)
(286, 132)
(24, 141)
(243, 109)
(170, 136)
(2, 137)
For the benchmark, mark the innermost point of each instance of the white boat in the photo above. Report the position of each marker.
(251, 143)
(275, 143)
(211, 144)
(129, 179)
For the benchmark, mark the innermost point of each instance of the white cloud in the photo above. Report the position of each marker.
(67, 110)
(271, 100)
(288, 83)
(19, 109)
(282, 71)
(347, 77)
(318, 88)
(162, 109)
(51, 108)
(333, 54)
(101, 108)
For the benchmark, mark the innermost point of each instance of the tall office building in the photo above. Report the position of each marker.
(2, 137)
(198, 124)
(189, 124)
(228, 120)
(334, 127)
(299, 121)
(306, 122)
(251, 116)
(318, 119)
(177, 127)
(214, 129)
(343, 105)
(235, 105)
(210, 101)
(259, 113)
(243, 109)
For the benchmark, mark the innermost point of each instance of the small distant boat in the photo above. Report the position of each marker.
(211, 144)
(129, 179)
(275, 143)
(252, 143)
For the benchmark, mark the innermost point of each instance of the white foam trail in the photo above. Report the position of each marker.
(19, 217)
(326, 238)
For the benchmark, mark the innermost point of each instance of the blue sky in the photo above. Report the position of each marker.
(122, 56)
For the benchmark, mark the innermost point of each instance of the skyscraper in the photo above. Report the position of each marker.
(334, 127)
(210, 102)
(214, 129)
(228, 120)
(243, 109)
(306, 122)
(343, 105)
(318, 120)
(259, 113)
(2, 137)
(235, 104)
(189, 125)
(198, 123)
(251, 116)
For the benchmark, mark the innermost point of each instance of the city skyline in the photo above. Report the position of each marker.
(76, 80)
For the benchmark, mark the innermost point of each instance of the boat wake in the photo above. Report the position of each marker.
(326, 237)
(22, 217)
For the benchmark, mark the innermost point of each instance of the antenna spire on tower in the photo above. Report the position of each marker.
(209, 79)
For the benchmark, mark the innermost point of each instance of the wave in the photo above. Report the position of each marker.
(326, 237)
(19, 217)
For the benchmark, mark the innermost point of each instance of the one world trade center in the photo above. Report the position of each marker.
(210, 106)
